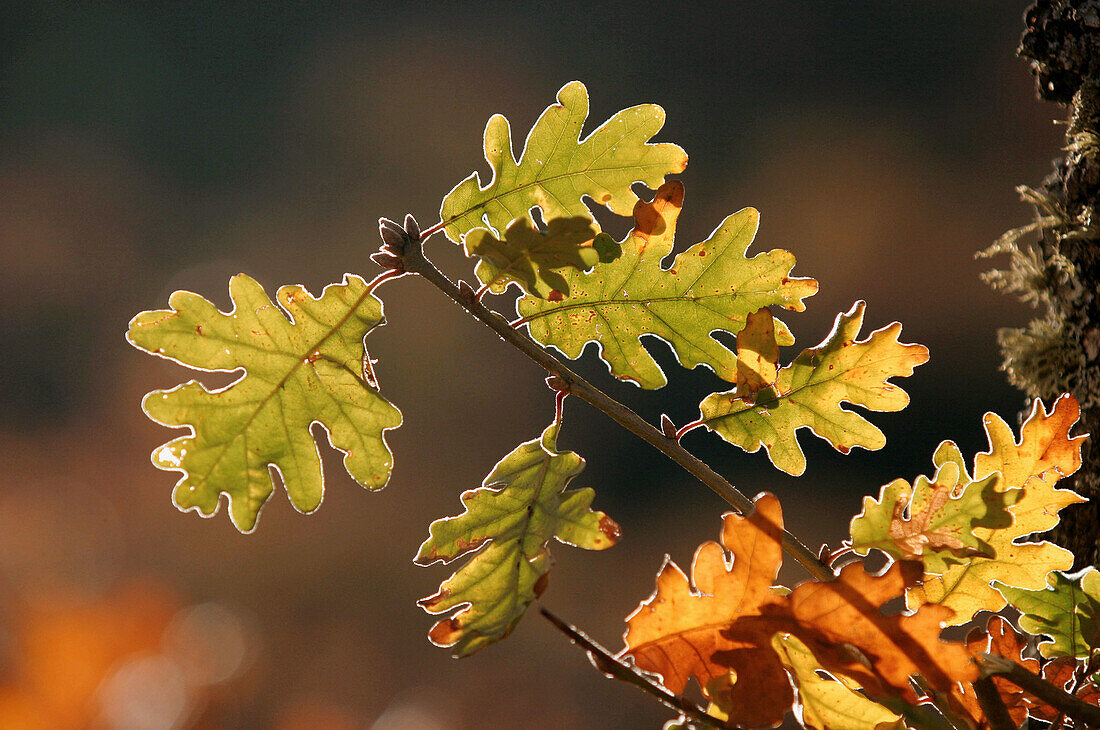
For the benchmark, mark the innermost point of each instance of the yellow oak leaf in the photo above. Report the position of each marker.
(1044, 454)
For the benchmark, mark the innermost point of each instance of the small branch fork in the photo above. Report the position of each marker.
(607, 663)
(403, 252)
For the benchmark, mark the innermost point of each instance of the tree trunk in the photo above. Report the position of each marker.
(1060, 352)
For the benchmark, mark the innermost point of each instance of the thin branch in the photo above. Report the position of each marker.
(607, 663)
(415, 262)
(989, 699)
(1082, 712)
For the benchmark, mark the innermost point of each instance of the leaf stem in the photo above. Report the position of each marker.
(559, 405)
(610, 665)
(683, 430)
(432, 230)
(416, 263)
(387, 275)
(1082, 712)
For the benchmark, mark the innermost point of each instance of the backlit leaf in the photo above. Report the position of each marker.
(1063, 674)
(828, 704)
(507, 524)
(757, 355)
(932, 521)
(528, 256)
(557, 167)
(848, 611)
(1044, 454)
(678, 632)
(1068, 612)
(302, 364)
(710, 287)
(1001, 639)
(718, 627)
(809, 392)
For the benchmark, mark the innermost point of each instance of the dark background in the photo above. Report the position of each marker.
(153, 146)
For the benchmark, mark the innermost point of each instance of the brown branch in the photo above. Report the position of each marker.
(989, 699)
(414, 261)
(607, 663)
(1080, 711)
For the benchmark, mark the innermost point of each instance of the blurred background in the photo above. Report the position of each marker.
(146, 147)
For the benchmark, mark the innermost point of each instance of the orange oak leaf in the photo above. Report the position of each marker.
(718, 627)
(998, 638)
(678, 632)
(1063, 674)
(848, 611)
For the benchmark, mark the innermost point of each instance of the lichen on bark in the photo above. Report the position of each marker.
(1059, 351)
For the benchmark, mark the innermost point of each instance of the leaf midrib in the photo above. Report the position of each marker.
(299, 361)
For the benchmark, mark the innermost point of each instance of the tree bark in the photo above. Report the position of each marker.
(1060, 351)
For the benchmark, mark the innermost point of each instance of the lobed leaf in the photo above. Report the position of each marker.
(809, 393)
(302, 364)
(829, 704)
(528, 256)
(932, 521)
(509, 522)
(1068, 612)
(1064, 673)
(1001, 639)
(848, 611)
(710, 287)
(1044, 454)
(718, 628)
(678, 631)
(557, 168)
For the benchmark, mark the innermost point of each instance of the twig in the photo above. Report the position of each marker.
(415, 262)
(989, 699)
(607, 663)
(1082, 712)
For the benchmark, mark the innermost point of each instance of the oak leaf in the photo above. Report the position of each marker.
(1065, 673)
(757, 355)
(718, 627)
(933, 520)
(848, 611)
(1044, 454)
(678, 632)
(1067, 611)
(557, 168)
(303, 363)
(507, 524)
(829, 704)
(808, 393)
(999, 638)
(528, 256)
(710, 287)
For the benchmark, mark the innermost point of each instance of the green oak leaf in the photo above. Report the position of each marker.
(1068, 612)
(303, 364)
(557, 167)
(527, 256)
(509, 521)
(933, 520)
(712, 286)
(809, 392)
